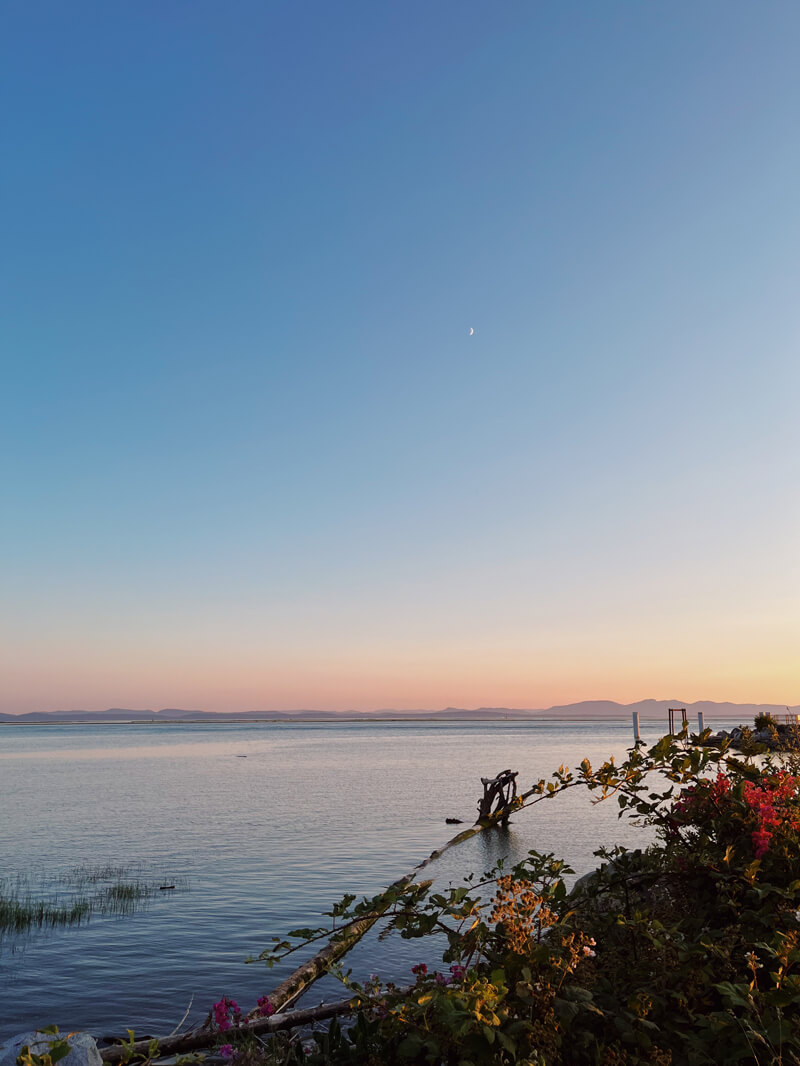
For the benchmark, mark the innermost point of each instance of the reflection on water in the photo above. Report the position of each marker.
(266, 842)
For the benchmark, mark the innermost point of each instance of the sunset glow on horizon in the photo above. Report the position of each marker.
(380, 358)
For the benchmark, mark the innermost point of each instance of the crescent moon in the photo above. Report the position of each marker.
(471, 331)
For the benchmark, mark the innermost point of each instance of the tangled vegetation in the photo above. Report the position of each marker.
(685, 951)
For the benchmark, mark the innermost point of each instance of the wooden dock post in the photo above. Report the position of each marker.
(637, 736)
(701, 721)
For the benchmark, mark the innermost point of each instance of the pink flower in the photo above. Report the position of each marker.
(226, 1051)
(265, 1007)
(222, 1011)
(458, 972)
(221, 1015)
(420, 969)
(761, 839)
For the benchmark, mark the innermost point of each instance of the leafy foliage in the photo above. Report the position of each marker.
(685, 951)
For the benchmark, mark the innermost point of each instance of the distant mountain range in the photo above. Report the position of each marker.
(589, 709)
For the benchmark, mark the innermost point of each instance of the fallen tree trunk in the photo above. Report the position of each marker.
(292, 987)
(304, 976)
(202, 1036)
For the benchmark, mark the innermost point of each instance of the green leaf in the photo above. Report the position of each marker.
(735, 994)
(409, 1047)
(305, 934)
(507, 1043)
(565, 1010)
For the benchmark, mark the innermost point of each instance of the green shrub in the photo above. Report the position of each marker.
(765, 720)
(686, 951)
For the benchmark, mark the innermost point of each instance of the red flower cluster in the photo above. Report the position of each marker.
(771, 802)
(703, 800)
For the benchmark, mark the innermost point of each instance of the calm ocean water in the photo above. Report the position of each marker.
(266, 843)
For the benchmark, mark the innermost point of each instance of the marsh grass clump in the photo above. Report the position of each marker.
(30, 902)
(128, 893)
(20, 915)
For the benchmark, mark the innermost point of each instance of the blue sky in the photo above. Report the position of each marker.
(251, 456)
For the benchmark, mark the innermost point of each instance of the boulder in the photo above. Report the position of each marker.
(82, 1048)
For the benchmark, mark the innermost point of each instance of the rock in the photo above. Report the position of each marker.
(82, 1048)
(589, 883)
(453, 821)
(584, 884)
(602, 890)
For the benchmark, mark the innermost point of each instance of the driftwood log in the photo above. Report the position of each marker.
(498, 796)
(290, 989)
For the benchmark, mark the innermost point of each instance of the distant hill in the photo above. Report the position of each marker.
(169, 714)
(587, 710)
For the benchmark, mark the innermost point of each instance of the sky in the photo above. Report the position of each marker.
(251, 457)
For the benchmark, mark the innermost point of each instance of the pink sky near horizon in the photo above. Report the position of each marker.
(567, 668)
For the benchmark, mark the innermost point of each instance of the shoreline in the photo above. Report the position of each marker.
(341, 721)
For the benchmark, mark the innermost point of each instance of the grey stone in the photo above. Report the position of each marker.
(584, 884)
(82, 1048)
(589, 883)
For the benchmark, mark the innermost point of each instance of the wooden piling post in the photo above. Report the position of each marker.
(637, 736)
(701, 722)
(684, 720)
